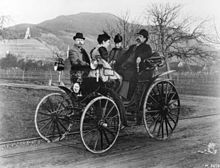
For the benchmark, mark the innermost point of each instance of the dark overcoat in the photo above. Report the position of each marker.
(128, 68)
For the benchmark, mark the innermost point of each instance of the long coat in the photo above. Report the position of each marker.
(78, 57)
(116, 56)
(129, 66)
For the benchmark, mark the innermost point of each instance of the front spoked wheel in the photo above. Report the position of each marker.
(51, 117)
(161, 110)
(100, 124)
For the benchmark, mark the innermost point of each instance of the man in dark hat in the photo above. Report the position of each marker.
(116, 52)
(77, 55)
(136, 53)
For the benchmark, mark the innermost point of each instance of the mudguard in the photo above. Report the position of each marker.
(163, 74)
(65, 89)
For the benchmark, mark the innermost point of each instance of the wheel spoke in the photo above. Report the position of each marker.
(94, 136)
(44, 113)
(154, 122)
(153, 111)
(96, 142)
(171, 118)
(155, 100)
(167, 131)
(58, 129)
(154, 92)
(162, 126)
(49, 128)
(59, 105)
(158, 88)
(84, 134)
(44, 120)
(173, 96)
(105, 108)
(109, 111)
(109, 119)
(45, 125)
(175, 108)
(50, 103)
(168, 94)
(53, 132)
(106, 137)
(155, 126)
(168, 123)
(172, 102)
(62, 125)
(101, 134)
(64, 119)
(162, 89)
(158, 133)
(45, 106)
(110, 131)
(60, 110)
(173, 114)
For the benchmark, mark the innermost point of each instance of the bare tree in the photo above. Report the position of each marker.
(125, 26)
(172, 36)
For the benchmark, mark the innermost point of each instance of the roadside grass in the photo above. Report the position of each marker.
(17, 108)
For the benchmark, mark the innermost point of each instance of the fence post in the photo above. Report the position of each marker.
(23, 75)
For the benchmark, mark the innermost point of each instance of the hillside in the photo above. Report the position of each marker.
(87, 23)
(60, 30)
(26, 48)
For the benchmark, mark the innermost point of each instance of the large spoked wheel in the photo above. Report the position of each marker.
(161, 109)
(100, 124)
(51, 117)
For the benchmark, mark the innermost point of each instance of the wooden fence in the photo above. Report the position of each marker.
(186, 83)
(204, 84)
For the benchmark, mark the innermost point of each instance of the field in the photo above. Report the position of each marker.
(17, 107)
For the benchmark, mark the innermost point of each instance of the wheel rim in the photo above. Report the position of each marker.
(100, 124)
(161, 110)
(51, 117)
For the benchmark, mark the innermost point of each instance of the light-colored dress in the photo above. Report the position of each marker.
(105, 73)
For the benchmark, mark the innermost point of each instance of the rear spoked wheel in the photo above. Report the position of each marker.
(100, 124)
(51, 117)
(161, 110)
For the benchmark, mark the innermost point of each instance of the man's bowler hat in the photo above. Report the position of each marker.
(78, 35)
(143, 32)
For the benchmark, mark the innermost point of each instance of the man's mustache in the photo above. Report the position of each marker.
(138, 40)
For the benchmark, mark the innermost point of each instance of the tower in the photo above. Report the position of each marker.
(27, 34)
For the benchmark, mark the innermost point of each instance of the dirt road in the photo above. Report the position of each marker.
(186, 148)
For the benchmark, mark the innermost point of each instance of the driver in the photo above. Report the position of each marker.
(136, 52)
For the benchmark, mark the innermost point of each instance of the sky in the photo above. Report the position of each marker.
(36, 11)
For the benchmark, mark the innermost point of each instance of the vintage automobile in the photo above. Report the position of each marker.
(96, 108)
